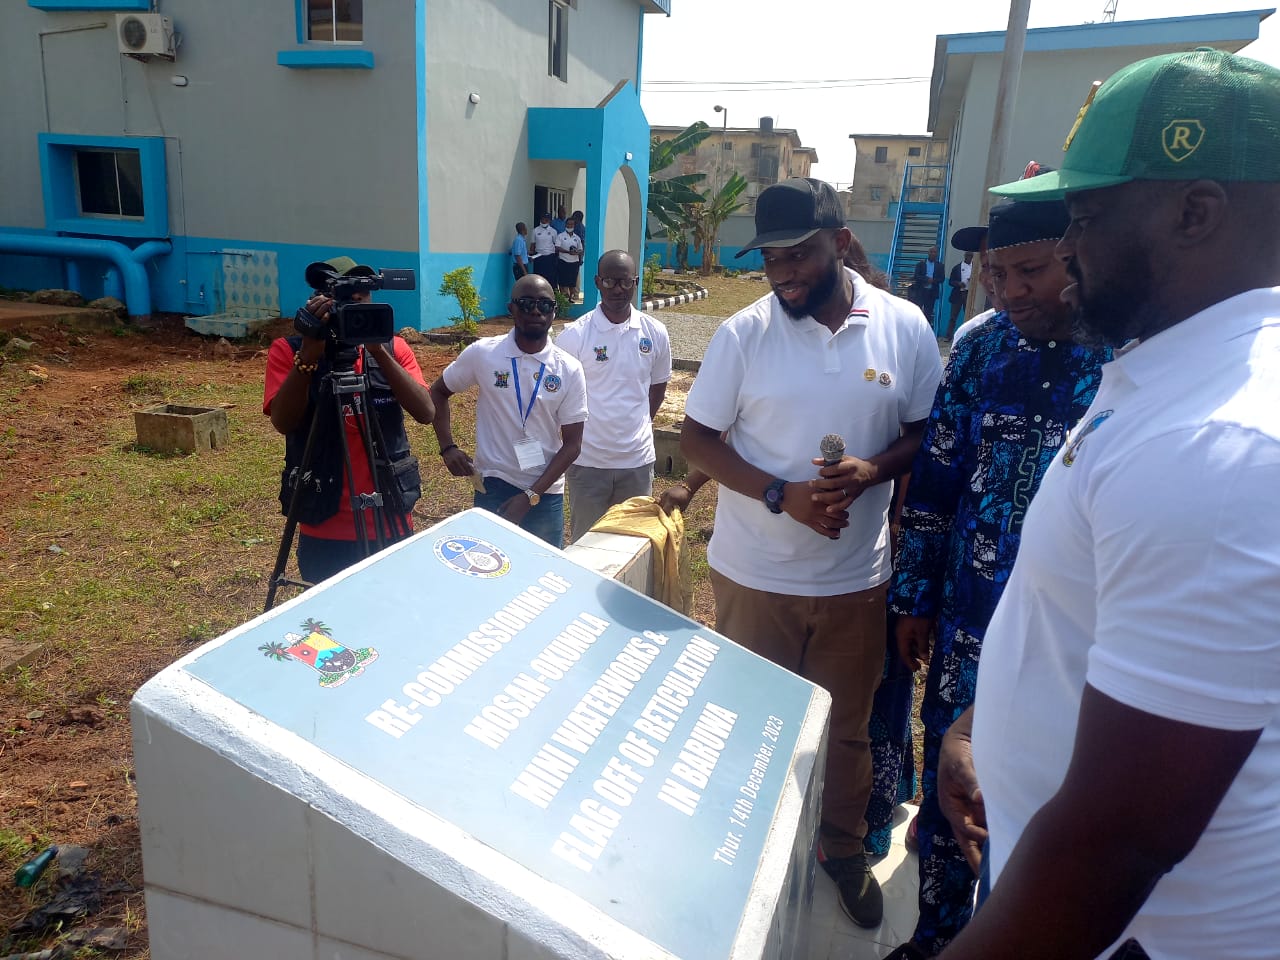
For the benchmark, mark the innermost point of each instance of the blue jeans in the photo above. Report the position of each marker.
(319, 559)
(545, 521)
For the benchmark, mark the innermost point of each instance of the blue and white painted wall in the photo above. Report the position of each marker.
(409, 149)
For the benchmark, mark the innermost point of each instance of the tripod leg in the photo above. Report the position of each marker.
(393, 519)
(360, 405)
(291, 519)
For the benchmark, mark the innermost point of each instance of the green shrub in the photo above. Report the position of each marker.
(652, 268)
(460, 285)
(562, 305)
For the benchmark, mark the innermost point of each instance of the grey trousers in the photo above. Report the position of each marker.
(593, 490)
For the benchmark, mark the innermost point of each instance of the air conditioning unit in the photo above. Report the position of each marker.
(145, 34)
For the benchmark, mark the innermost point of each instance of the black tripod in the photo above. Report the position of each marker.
(389, 521)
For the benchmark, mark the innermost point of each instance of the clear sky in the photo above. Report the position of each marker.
(764, 58)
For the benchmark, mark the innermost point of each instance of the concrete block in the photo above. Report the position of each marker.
(169, 427)
(15, 654)
(528, 762)
(666, 444)
(617, 557)
(207, 843)
(180, 928)
(230, 325)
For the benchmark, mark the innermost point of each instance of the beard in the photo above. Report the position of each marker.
(819, 294)
(1110, 313)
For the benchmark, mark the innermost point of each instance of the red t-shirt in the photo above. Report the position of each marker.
(342, 525)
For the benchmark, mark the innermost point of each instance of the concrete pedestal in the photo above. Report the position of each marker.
(472, 747)
(670, 461)
(169, 427)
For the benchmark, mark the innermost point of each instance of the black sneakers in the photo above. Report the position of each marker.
(860, 895)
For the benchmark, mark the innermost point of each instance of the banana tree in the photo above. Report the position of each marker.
(668, 196)
(705, 219)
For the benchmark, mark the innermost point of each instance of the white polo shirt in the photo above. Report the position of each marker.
(621, 361)
(544, 239)
(560, 398)
(779, 385)
(1149, 569)
(569, 245)
(969, 326)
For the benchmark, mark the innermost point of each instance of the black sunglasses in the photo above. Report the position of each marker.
(542, 305)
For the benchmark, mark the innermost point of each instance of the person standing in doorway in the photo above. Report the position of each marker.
(569, 248)
(545, 261)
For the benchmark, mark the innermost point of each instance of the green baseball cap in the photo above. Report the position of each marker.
(1181, 116)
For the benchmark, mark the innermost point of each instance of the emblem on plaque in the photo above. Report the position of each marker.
(316, 647)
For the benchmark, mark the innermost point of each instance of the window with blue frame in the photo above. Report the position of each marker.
(335, 21)
(104, 186)
(330, 36)
(109, 183)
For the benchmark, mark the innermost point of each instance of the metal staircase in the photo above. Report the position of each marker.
(920, 224)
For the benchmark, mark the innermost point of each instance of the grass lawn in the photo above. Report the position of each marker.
(725, 295)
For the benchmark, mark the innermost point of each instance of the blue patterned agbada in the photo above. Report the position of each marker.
(1003, 409)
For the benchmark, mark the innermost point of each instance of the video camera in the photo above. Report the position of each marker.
(349, 323)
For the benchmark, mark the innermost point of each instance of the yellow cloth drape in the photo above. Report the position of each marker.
(643, 517)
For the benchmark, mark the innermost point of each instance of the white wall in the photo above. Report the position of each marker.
(1051, 89)
(617, 229)
(499, 50)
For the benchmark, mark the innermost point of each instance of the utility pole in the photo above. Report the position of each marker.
(1015, 40)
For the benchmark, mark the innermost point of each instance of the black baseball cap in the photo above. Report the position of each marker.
(320, 272)
(794, 210)
(969, 239)
(1026, 221)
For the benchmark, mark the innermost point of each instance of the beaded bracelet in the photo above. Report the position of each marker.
(304, 367)
(447, 447)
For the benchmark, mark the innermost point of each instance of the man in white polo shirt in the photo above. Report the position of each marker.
(626, 356)
(544, 260)
(800, 556)
(1126, 727)
(530, 410)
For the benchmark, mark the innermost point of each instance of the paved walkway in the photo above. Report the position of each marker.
(690, 333)
(835, 937)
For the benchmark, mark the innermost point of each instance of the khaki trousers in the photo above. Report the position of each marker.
(838, 643)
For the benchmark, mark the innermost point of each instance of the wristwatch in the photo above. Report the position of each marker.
(533, 497)
(773, 496)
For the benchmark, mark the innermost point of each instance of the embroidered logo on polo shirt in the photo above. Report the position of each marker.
(1072, 448)
(602, 354)
(885, 379)
(500, 379)
(551, 383)
(645, 344)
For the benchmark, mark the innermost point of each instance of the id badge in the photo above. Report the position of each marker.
(529, 454)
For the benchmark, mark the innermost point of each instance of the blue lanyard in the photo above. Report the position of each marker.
(537, 383)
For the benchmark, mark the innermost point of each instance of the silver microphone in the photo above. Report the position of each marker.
(831, 449)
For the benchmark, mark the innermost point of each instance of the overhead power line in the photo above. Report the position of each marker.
(711, 86)
(743, 83)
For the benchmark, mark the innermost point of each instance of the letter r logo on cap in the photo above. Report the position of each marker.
(1181, 138)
